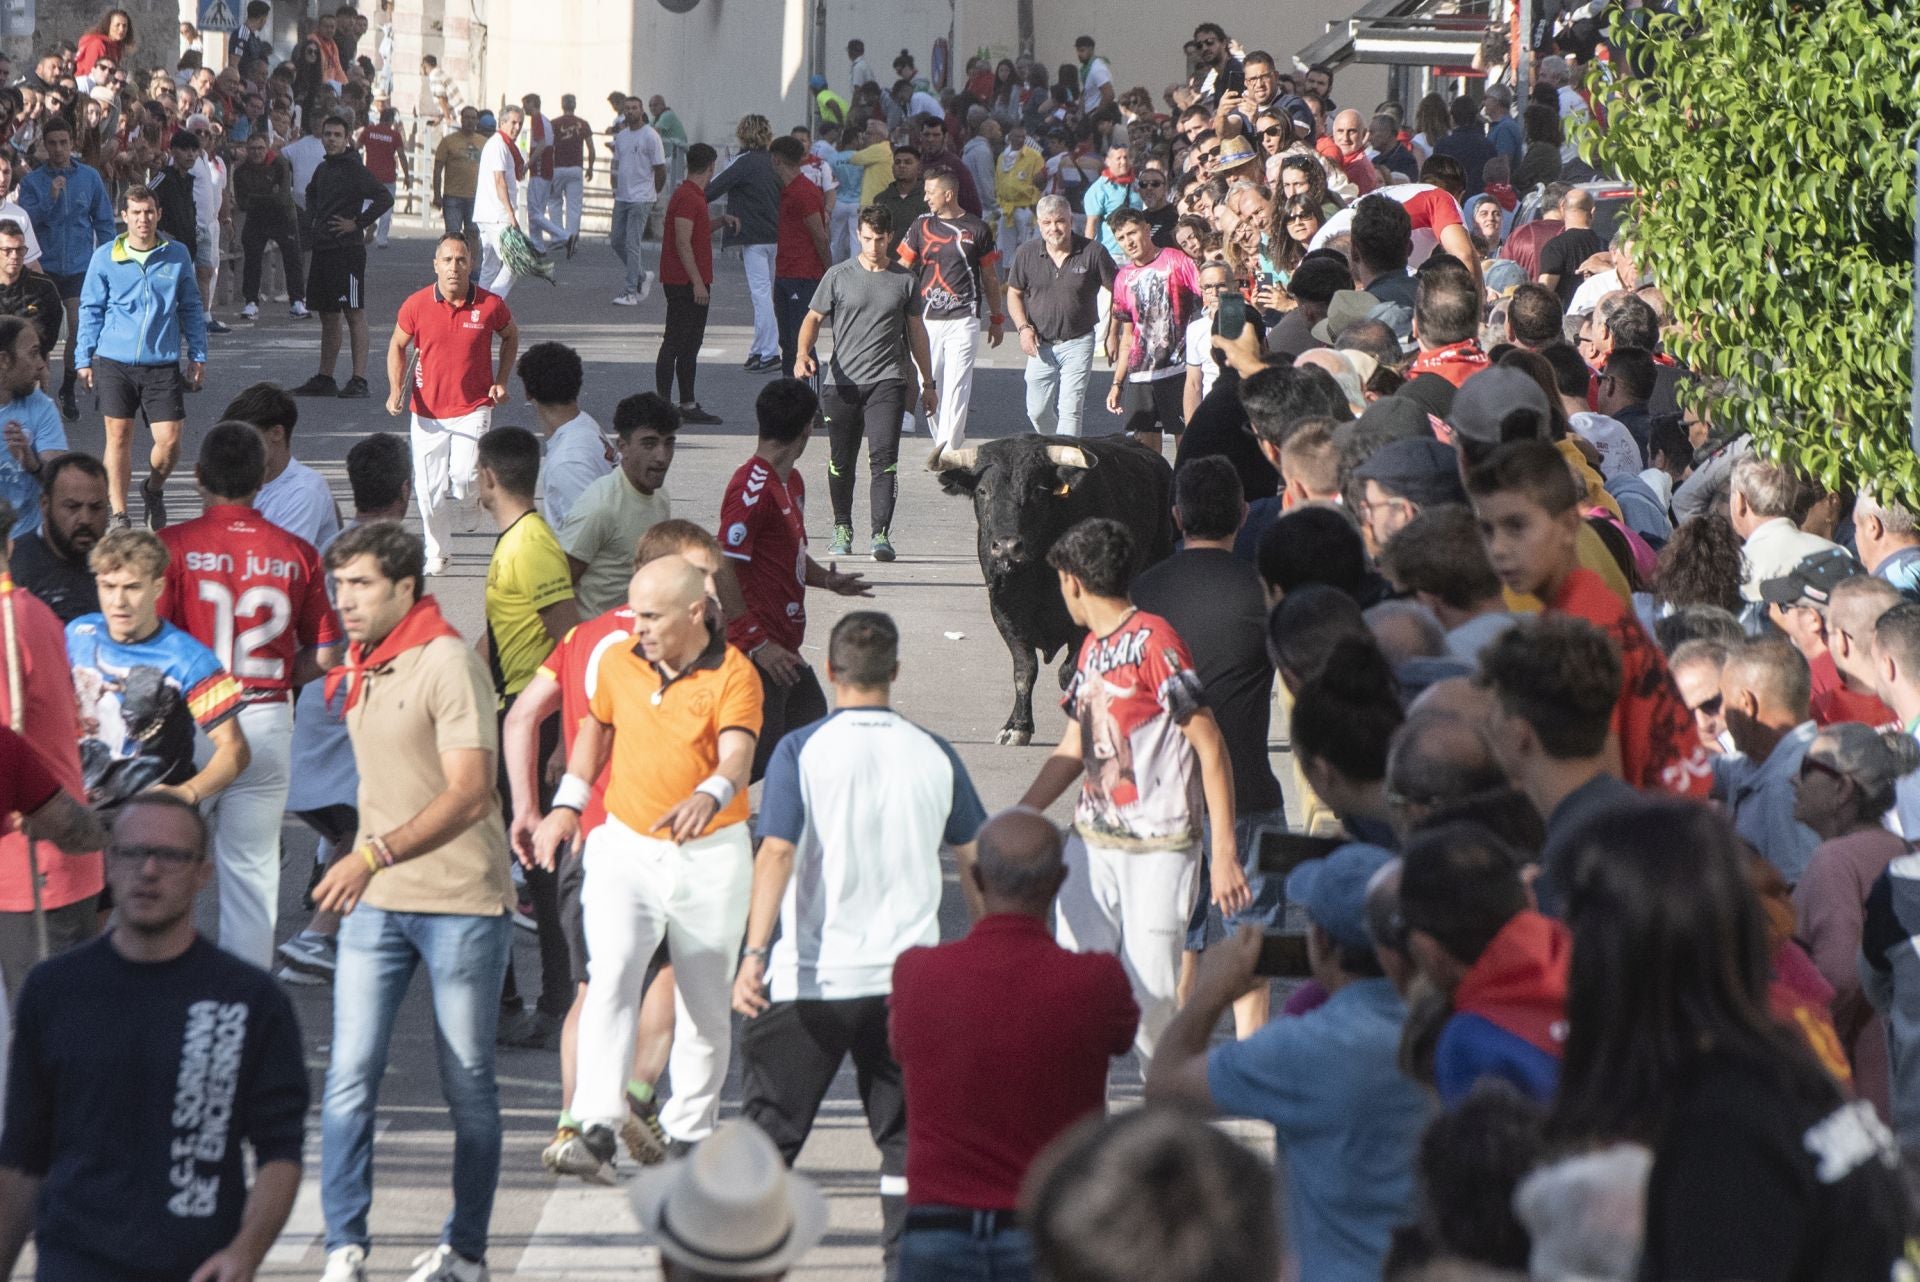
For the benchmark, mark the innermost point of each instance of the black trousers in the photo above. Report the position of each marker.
(784, 708)
(791, 295)
(255, 235)
(872, 411)
(543, 886)
(680, 344)
(789, 1055)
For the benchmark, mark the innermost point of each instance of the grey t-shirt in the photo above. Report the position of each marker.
(869, 312)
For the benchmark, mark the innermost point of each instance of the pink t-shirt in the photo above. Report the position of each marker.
(1159, 297)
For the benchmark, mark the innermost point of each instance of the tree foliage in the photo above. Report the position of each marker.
(1772, 144)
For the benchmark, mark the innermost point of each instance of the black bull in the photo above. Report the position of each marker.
(1028, 491)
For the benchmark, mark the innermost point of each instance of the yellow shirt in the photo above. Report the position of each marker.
(876, 170)
(527, 574)
(1013, 178)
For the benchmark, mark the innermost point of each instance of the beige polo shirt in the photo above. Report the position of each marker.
(602, 529)
(432, 698)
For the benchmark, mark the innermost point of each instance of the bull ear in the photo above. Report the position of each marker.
(959, 480)
(1069, 479)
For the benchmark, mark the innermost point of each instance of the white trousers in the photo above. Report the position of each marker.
(494, 274)
(1016, 229)
(1133, 904)
(386, 220)
(540, 225)
(569, 188)
(766, 334)
(842, 235)
(638, 891)
(445, 465)
(245, 819)
(955, 345)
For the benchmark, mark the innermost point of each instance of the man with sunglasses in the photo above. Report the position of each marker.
(1156, 201)
(162, 1191)
(1215, 55)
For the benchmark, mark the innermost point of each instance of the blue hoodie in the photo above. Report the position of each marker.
(71, 226)
(135, 314)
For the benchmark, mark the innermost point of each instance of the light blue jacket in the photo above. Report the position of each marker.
(71, 226)
(136, 314)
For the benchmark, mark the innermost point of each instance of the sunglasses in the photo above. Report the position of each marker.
(1271, 131)
(139, 854)
(1154, 183)
(1214, 154)
(1709, 707)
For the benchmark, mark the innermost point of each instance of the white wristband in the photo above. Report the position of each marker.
(572, 794)
(719, 787)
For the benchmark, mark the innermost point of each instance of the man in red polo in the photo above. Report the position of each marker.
(254, 595)
(457, 380)
(951, 1029)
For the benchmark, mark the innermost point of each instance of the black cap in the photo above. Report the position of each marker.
(1431, 392)
(1813, 580)
(1317, 280)
(1422, 471)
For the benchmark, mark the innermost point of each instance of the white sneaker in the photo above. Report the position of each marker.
(298, 311)
(250, 312)
(646, 284)
(443, 1264)
(628, 299)
(436, 565)
(346, 1264)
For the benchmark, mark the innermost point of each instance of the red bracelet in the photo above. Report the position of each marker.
(997, 319)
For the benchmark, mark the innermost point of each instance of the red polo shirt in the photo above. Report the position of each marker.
(795, 256)
(1004, 1039)
(455, 339)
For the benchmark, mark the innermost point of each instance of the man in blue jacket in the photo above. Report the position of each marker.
(138, 299)
(72, 216)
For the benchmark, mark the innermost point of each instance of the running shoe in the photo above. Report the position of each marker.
(882, 546)
(155, 501)
(646, 284)
(250, 312)
(69, 407)
(550, 1155)
(346, 1264)
(298, 310)
(700, 418)
(356, 389)
(310, 954)
(645, 1138)
(842, 542)
(318, 385)
(119, 521)
(628, 299)
(444, 1264)
(588, 1155)
(218, 327)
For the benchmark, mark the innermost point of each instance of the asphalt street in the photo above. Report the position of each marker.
(955, 680)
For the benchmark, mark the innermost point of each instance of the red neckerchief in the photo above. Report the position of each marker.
(1112, 177)
(519, 161)
(1447, 361)
(1503, 196)
(423, 623)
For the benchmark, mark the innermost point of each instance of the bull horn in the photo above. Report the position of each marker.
(943, 459)
(1068, 456)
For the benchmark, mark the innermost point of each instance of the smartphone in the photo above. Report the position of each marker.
(1234, 80)
(1283, 956)
(1230, 316)
(1279, 853)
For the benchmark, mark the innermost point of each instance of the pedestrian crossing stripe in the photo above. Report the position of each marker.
(216, 16)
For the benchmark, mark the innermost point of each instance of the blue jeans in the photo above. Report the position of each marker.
(952, 1255)
(1268, 910)
(791, 297)
(629, 229)
(456, 213)
(466, 960)
(1057, 385)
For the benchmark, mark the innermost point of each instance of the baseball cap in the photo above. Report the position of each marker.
(1494, 407)
(1333, 891)
(816, 82)
(1503, 276)
(1813, 580)
(1422, 471)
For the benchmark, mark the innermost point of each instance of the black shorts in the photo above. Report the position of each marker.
(1155, 406)
(68, 283)
(337, 279)
(128, 390)
(573, 920)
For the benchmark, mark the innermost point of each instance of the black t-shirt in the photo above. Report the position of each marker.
(1217, 605)
(1160, 221)
(35, 299)
(1219, 426)
(130, 1088)
(1751, 1183)
(1563, 255)
(66, 586)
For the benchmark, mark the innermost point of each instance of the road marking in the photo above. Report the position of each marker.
(307, 1225)
(585, 1234)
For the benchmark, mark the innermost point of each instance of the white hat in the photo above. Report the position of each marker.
(730, 1208)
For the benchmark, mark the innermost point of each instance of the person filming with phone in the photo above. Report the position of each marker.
(1345, 1117)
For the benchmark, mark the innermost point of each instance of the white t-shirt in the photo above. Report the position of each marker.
(635, 153)
(1429, 208)
(1098, 74)
(299, 502)
(576, 458)
(303, 157)
(206, 196)
(1592, 290)
(8, 209)
(1200, 352)
(495, 158)
(1572, 107)
(925, 104)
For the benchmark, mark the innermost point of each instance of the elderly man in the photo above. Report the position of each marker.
(1053, 298)
(1346, 146)
(1761, 508)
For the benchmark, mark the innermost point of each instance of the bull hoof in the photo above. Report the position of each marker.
(1018, 738)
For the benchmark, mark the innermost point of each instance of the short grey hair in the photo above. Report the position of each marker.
(1052, 204)
(1767, 487)
(1897, 520)
(1688, 653)
(1585, 1214)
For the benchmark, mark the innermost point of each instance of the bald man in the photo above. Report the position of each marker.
(1437, 758)
(1765, 692)
(952, 1030)
(1561, 257)
(1346, 146)
(678, 713)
